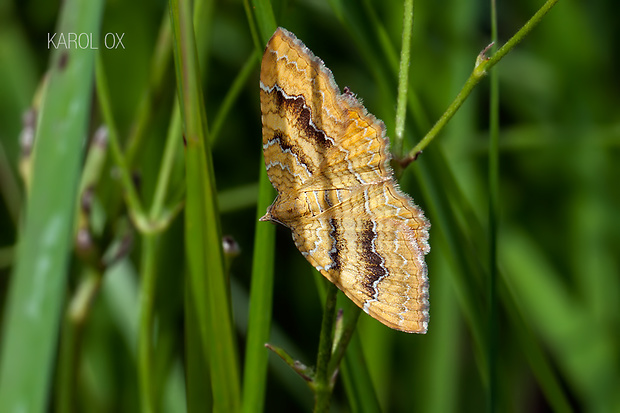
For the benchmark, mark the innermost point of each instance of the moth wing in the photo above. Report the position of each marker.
(377, 261)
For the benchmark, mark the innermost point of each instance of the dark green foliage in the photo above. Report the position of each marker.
(132, 332)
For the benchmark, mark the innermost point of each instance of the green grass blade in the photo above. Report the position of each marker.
(403, 79)
(261, 290)
(37, 290)
(145, 339)
(439, 389)
(206, 275)
(261, 296)
(493, 330)
(265, 19)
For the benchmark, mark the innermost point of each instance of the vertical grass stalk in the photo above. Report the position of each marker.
(403, 78)
(203, 243)
(261, 289)
(492, 338)
(146, 340)
(322, 383)
(261, 296)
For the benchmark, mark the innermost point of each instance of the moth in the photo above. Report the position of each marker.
(329, 160)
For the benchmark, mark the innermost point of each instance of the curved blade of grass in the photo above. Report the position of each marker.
(38, 282)
(207, 280)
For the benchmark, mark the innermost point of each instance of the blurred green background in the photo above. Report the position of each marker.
(559, 224)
